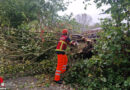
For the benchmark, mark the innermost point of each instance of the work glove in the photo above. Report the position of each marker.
(73, 43)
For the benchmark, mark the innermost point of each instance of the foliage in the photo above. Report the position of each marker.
(109, 68)
(15, 69)
(25, 45)
(22, 52)
(50, 11)
(19, 48)
(68, 22)
(97, 74)
(119, 9)
(16, 12)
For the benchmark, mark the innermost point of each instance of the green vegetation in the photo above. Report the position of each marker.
(12, 70)
(22, 51)
(109, 68)
(16, 12)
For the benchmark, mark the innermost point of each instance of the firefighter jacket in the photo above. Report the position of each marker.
(62, 44)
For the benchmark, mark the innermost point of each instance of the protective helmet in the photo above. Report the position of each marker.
(64, 31)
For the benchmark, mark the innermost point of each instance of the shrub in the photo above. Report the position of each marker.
(109, 68)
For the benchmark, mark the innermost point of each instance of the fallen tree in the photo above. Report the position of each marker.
(24, 45)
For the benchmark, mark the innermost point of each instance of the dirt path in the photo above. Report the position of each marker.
(32, 83)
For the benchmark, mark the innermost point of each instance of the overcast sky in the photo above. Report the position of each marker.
(77, 7)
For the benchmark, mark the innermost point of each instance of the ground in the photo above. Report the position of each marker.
(32, 83)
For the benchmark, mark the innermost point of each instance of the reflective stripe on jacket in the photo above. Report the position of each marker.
(62, 44)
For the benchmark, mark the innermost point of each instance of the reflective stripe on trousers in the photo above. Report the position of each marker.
(65, 63)
(61, 66)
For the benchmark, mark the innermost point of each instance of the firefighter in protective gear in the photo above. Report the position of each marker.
(62, 57)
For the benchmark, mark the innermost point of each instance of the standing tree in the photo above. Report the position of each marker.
(13, 13)
(84, 20)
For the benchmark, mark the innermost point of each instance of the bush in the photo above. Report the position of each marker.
(109, 69)
(97, 74)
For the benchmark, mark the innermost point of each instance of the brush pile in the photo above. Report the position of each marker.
(24, 45)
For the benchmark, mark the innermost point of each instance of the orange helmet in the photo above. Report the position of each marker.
(64, 31)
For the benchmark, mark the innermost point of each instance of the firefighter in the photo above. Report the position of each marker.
(61, 56)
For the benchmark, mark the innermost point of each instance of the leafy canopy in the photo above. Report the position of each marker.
(16, 12)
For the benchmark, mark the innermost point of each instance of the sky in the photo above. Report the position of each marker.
(77, 7)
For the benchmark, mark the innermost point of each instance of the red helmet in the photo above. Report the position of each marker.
(64, 31)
